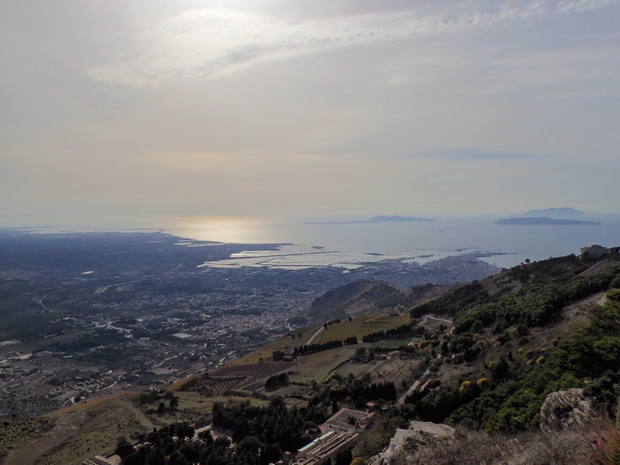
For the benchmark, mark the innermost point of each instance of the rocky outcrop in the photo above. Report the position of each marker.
(565, 409)
(569, 430)
(406, 441)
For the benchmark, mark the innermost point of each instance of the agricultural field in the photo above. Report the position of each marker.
(361, 326)
(320, 366)
(285, 343)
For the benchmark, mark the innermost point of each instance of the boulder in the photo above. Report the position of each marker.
(406, 441)
(565, 409)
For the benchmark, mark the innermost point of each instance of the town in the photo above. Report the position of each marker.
(70, 332)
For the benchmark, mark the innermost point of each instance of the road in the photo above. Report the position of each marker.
(422, 378)
(415, 385)
(315, 335)
(436, 319)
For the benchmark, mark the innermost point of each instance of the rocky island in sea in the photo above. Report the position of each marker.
(544, 220)
(562, 212)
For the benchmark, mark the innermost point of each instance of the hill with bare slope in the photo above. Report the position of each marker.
(355, 298)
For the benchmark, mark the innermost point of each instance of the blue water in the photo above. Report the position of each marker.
(509, 244)
(444, 236)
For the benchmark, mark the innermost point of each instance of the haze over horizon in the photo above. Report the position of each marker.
(119, 110)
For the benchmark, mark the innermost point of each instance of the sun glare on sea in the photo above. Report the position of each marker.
(229, 229)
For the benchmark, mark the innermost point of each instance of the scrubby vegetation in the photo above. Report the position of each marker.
(573, 447)
(482, 358)
(16, 431)
(517, 382)
(510, 370)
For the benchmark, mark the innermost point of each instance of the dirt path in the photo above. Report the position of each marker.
(414, 386)
(315, 335)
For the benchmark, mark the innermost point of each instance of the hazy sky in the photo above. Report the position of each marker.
(124, 109)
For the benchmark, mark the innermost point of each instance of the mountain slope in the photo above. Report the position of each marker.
(355, 298)
(482, 356)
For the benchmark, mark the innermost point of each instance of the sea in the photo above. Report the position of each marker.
(307, 242)
(500, 245)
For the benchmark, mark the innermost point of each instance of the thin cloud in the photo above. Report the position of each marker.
(465, 155)
(584, 5)
(212, 42)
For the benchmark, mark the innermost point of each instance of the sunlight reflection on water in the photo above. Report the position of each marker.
(426, 241)
(348, 243)
(229, 229)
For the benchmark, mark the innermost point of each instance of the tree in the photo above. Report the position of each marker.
(477, 327)
(334, 407)
(155, 457)
(250, 447)
(123, 448)
(500, 370)
(154, 438)
(521, 330)
(191, 450)
(177, 458)
(185, 431)
(344, 457)
(135, 458)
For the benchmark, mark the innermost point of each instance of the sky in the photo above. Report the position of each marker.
(117, 111)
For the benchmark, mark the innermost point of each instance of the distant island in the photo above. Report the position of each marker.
(554, 212)
(544, 220)
(379, 219)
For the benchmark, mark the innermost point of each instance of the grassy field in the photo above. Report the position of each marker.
(82, 431)
(75, 433)
(356, 369)
(19, 430)
(285, 343)
(318, 367)
(362, 325)
(359, 326)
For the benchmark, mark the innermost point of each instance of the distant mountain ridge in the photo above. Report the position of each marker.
(564, 216)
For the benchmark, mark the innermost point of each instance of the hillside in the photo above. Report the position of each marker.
(367, 296)
(353, 299)
(481, 357)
